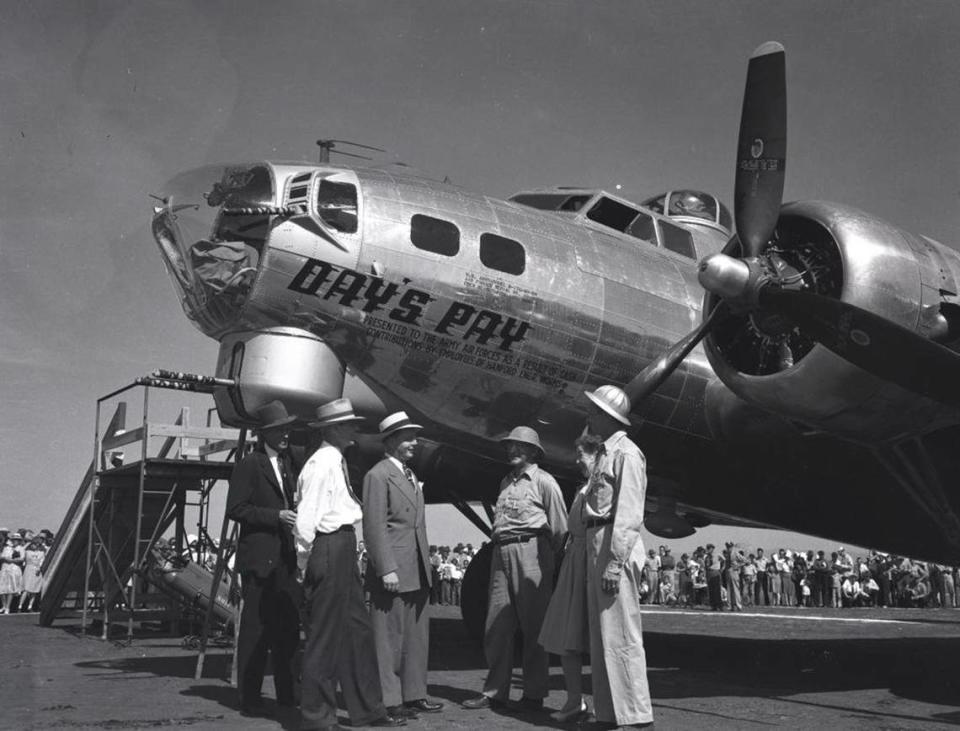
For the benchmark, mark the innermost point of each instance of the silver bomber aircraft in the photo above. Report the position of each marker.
(823, 398)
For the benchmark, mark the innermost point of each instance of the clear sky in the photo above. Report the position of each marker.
(102, 102)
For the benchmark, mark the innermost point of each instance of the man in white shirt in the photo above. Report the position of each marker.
(339, 645)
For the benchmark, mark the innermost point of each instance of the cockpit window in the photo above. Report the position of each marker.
(337, 205)
(612, 213)
(643, 227)
(678, 240)
(691, 203)
(551, 201)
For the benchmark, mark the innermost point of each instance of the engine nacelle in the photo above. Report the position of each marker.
(842, 252)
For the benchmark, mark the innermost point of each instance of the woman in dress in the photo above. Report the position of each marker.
(11, 575)
(564, 631)
(32, 580)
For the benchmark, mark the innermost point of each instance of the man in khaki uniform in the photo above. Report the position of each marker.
(530, 522)
(613, 514)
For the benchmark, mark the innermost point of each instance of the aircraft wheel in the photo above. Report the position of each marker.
(474, 592)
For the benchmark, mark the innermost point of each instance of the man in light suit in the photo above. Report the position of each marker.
(261, 501)
(398, 570)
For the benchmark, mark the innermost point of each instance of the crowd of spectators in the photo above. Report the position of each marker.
(21, 557)
(732, 578)
(728, 579)
(447, 566)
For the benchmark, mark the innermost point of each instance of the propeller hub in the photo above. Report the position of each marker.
(726, 277)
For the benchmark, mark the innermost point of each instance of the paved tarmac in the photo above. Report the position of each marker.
(790, 668)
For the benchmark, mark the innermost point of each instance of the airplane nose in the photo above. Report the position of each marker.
(211, 230)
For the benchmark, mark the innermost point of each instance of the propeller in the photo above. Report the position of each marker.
(867, 340)
(761, 148)
(758, 186)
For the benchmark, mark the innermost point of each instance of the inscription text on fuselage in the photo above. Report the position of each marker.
(407, 305)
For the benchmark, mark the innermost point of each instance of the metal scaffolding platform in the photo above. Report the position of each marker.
(139, 485)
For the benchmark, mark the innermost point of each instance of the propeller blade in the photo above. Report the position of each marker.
(761, 149)
(653, 376)
(871, 342)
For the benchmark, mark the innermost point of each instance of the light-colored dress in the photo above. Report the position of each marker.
(565, 628)
(32, 580)
(11, 577)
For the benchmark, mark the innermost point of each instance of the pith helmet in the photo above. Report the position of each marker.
(524, 435)
(613, 401)
(272, 415)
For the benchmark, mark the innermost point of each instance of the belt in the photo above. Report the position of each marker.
(345, 528)
(597, 522)
(514, 539)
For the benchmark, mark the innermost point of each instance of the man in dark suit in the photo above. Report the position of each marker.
(398, 570)
(261, 501)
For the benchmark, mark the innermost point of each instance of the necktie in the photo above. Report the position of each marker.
(346, 477)
(412, 478)
(285, 480)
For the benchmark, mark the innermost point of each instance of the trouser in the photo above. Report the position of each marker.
(733, 589)
(949, 591)
(521, 581)
(269, 622)
(761, 590)
(749, 586)
(621, 692)
(339, 646)
(713, 589)
(435, 586)
(446, 592)
(885, 599)
(455, 592)
(401, 631)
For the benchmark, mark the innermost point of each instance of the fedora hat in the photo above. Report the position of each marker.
(396, 422)
(273, 415)
(524, 435)
(338, 411)
(612, 401)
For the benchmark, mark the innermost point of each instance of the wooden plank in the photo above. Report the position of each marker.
(196, 432)
(223, 445)
(119, 440)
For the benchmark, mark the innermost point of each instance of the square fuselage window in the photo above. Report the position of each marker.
(435, 235)
(504, 255)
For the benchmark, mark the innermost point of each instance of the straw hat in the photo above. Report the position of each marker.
(612, 401)
(396, 422)
(338, 411)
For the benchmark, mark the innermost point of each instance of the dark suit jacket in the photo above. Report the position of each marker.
(394, 528)
(254, 501)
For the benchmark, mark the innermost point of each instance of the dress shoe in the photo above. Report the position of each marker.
(256, 711)
(424, 706)
(483, 701)
(577, 713)
(530, 704)
(388, 721)
(401, 712)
